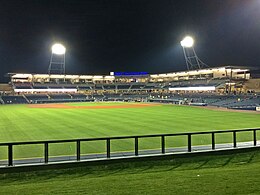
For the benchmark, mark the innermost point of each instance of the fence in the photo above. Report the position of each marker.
(136, 140)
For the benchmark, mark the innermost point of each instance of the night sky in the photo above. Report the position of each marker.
(127, 35)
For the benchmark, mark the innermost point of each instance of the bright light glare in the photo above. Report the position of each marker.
(46, 90)
(187, 42)
(58, 49)
(201, 88)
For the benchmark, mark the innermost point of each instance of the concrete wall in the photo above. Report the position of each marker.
(253, 84)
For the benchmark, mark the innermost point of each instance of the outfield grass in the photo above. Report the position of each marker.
(213, 174)
(21, 123)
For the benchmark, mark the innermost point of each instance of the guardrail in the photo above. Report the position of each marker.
(136, 139)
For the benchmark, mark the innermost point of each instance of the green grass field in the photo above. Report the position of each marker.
(213, 174)
(22, 123)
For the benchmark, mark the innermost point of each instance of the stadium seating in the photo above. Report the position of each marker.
(229, 101)
(99, 87)
(98, 97)
(109, 87)
(60, 96)
(69, 86)
(11, 99)
(130, 89)
(79, 96)
(131, 86)
(84, 87)
(246, 102)
(137, 87)
(40, 87)
(37, 98)
(123, 87)
(113, 97)
(25, 85)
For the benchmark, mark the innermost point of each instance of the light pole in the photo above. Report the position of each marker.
(57, 62)
(192, 60)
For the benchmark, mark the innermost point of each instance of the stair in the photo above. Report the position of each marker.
(26, 99)
(1, 100)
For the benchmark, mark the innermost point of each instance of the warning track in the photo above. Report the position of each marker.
(67, 106)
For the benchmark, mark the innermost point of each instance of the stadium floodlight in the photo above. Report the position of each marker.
(58, 49)
(57, 61)
(187, 42)
(192, 60)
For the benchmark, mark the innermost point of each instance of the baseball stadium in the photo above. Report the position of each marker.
(198, 125)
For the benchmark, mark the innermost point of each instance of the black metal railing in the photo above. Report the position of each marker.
(78, 155)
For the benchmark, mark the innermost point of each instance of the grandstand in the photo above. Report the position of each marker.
(227, 86)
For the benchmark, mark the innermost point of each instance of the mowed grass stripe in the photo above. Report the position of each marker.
(50, 123)
(117, 121)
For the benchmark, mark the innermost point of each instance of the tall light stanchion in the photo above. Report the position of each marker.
(192, 60)
(57, 61)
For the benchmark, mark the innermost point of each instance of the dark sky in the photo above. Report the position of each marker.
(127, 35)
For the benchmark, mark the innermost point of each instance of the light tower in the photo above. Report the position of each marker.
(192, 60)
(57, 62)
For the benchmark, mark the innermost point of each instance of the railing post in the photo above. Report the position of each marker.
(189, 142)
(78, 150)
(234, 139)
(254, 135)
(10, 155)
(46, 152)
(108, 147)
(163, 144)
(136, 146)
(213, 141)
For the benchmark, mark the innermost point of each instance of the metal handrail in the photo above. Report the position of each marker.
(136, 142)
